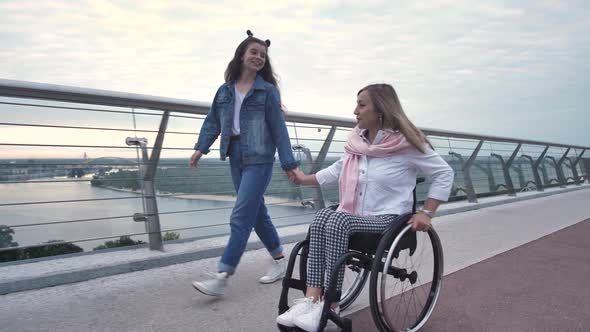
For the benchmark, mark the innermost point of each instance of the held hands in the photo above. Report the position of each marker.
(420, 222)
(195, 159)
(295, 175)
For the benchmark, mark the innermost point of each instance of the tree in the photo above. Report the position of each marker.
(6, 242)
(6, 237)
(53, 248)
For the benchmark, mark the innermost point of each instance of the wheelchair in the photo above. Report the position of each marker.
(405, 270)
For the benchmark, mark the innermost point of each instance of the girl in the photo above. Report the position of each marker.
(246, 113)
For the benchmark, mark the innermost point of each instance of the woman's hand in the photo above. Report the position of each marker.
(295, 175)
(420, 222)
(195, 159)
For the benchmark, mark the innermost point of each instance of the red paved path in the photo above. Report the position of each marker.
(543, 285)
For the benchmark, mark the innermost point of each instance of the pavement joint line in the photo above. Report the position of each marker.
(61, 278)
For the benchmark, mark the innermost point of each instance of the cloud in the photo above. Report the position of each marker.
(449, 60)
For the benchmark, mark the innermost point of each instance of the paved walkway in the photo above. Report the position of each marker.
(540, 286)
(162, 298)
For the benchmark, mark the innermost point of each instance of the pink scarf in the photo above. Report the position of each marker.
(356, 147)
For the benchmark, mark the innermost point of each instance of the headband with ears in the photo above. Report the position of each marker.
(250, 35)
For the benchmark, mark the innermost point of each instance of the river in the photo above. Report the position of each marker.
(115, 206)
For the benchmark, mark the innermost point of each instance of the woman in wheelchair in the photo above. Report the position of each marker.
(377, 177)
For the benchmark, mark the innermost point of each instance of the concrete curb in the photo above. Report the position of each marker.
(508, 200)
(61, 278)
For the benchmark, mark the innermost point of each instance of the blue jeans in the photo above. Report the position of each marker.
(250, 182)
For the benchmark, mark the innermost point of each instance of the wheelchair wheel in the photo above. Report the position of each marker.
(406, 279)
(355, 277)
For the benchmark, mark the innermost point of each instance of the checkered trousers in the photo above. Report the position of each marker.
(328, 240)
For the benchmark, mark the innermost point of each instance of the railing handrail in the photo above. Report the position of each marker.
(64, 93)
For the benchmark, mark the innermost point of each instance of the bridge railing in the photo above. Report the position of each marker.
(82, 166)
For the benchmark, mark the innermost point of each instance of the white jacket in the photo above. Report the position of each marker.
(385, 184)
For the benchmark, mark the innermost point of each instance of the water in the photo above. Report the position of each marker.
(62, 191)
(129, 203)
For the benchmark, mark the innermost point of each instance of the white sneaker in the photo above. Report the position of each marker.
(299, 307)
(212, 287)
(310, 321)
(276, 271)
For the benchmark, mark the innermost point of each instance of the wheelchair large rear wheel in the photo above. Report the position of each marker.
(406, 279)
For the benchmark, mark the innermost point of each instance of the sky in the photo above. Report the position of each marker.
(504, 68)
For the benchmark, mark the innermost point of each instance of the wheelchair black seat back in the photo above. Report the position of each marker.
(404, 267)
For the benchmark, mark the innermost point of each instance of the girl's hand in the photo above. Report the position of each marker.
(296, 176)
(195, 159)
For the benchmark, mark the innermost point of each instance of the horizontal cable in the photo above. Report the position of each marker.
(308, 126)
(223, 208)
(131, 216)
(89, 128)
(90, 146)
(119, 179)
(79, 163)
(227, 223)
(270, 193)
(65, 181)
(70, 201)
(98, 110)
(69, 221)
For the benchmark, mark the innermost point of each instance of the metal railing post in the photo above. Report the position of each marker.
(465, 167)
(574, 165)
(573, 169)
(307, 153)
(521, 179)
(558, 168)
(506, 169)
(152, 217)
(546, 177)
(543, 173)
(535, 166)
(316, 164)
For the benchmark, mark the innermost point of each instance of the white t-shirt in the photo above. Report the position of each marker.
(237, 106)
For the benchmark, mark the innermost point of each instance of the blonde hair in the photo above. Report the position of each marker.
(387, 105)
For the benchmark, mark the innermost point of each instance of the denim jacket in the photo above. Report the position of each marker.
(262, 125)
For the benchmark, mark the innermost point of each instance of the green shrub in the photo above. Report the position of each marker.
(168, 236)
(121, 242)
(52, 248)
